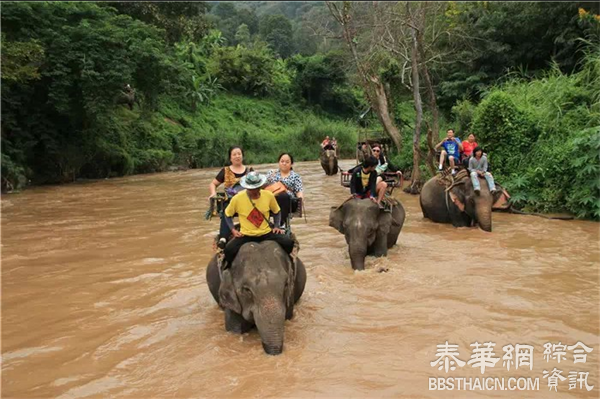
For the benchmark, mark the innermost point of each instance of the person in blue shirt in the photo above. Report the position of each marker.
(452, 148)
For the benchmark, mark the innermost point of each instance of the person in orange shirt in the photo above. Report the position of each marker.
(468, 147)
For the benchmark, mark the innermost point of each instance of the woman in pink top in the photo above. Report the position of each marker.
(468, 147)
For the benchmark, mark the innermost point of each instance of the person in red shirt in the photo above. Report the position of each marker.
(326, 144)
(468, 147)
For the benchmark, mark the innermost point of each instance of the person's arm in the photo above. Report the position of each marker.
(299, 187)
(484, 164)
(230, 211)
(437, 147)
(276, 212)
(271, 177)
(217, 181)
(373, 184)
(277, 219)
(460, 146)
(229, 221)
(353, 182)
(472, 164)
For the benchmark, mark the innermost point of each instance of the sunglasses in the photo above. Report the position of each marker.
(375, 150)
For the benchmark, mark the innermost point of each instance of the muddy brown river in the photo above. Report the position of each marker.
(104, 295)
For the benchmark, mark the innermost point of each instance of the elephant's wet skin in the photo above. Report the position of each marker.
(461, 206)
(329, 162)
(258, 290)
(368, 230)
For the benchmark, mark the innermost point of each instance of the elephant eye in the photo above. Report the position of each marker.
(246, 291)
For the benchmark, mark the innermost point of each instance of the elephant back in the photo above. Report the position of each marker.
(448, 180)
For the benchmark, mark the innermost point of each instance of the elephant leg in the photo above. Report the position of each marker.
(235, 323)
(380, 245)
(213, 279)
(299, 284)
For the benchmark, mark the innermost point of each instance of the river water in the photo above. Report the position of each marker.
(104, 295)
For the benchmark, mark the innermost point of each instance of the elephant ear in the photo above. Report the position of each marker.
(457, 201)
(227, 294)
(501, 198)
(398, 214)
(336, 218)
(384, 222)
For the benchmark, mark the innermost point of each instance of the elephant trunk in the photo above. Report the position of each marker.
(270, 320)
(325, 163)
(358, 252)
(484, 217)
(331, 163)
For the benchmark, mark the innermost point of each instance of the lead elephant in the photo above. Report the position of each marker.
(329, 162)
(368, 229)
(260, 288)
(456, 202)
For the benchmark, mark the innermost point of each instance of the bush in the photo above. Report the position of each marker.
(463, 114)
(505, 132)
(543, 138)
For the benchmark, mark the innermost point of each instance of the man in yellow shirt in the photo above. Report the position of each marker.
(252, 207)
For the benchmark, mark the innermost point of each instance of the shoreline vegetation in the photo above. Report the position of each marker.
(267, 77)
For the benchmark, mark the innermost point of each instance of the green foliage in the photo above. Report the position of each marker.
(463, 114)
(242, 35)
(543, 139)
(505, 131)
(321, 80)
(264, 128)
(202, 90)
(491, 38)
(250, 71)
(180, 20)
(52, 126)
(20, 60)
(276, 30)
(584, 196)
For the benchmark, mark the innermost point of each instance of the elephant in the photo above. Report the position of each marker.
(363, 153)
(456, 202)
(258, 290)
(368, 229)
(329, 162)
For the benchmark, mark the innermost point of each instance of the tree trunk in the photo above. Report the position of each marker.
(434, 109)
(416, 172)
(383, 113)
(373, 87)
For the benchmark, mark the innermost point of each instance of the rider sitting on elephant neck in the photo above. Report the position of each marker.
(363, 183)
(252, 206)
(478, 167)
(327, 144)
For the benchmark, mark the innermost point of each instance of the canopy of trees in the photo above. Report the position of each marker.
(524, 77)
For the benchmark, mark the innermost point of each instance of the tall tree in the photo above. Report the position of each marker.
(347, 16)
(416, 18)
(179, 19)
(276, 30)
